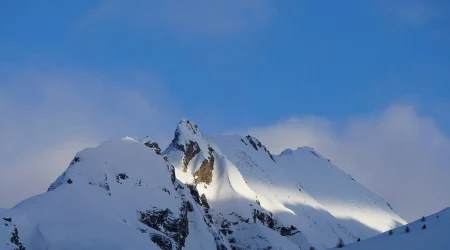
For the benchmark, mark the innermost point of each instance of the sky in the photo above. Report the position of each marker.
(365, 83)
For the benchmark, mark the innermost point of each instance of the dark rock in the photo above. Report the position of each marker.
(164, 221)
(204, 173)
(284, 231)
(16, 241)
(252, 142)
(174, 143)
(340, 243)
(221, 246)
(314, 153)
(192, 149)
(75, 160)
(204, 202)
(389, 205)
(194, 193)
(189, 207)
(69, 181)
(164, 242)
(172, 173)
(155, 218)
(264, 218)
(120, 177)
(154, 146)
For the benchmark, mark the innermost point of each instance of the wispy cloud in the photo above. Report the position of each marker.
(399, 154)
(47, 116)
(218, 18)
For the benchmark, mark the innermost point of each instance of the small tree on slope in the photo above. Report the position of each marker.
(407, 229)
(340, 243)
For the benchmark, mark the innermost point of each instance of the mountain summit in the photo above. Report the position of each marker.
(201, 192)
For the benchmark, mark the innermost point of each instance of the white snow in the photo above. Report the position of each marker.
(99, 210)
(303, 189)
(435, 236)
(256, 200)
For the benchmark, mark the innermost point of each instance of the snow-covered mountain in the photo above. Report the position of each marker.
(202, 192)
(431, 232)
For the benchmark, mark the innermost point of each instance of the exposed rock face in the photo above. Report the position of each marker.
(192, 149)
(204, 174)
(240, 230)
(164, 221)
(164, 242)
(14, 242)
(257, 145)
(154, 146)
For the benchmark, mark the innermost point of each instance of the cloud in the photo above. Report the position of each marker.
(400, 154)
(218, 18)
(48, 116)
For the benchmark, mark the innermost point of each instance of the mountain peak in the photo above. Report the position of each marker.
(187, 130)
(228, 188)
(287, 151)
(190, 141)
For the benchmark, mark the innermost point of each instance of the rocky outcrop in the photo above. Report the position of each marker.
(154, 146)
(175, 228)
(14, 240)
(256, 144)
(204, 173)
(192, 149)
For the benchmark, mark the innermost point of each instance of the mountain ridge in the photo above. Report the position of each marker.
(202, 191)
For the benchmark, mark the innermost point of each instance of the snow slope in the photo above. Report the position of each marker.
(234, 206)
(120, 195)
(434, 236)
(202, 192)
(298, 188)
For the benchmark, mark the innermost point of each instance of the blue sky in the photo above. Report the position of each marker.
(335, 59)
(101, 69)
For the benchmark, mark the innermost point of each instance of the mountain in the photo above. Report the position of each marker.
(202, 192)
(429, 232)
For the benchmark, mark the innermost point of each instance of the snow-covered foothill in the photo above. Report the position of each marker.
(430, 232)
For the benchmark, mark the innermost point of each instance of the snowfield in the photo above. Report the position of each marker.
(202, 192)
(431, 232)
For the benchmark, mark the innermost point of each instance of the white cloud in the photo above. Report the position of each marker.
(47, 116)
(218, 18)
(399, 154)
